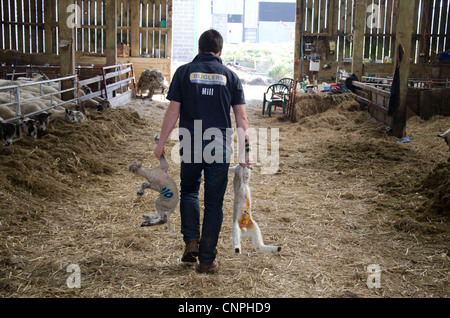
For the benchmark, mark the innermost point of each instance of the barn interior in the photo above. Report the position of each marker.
(357, 194)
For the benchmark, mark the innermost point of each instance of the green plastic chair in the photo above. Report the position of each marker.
(276, 94)
(289, 82)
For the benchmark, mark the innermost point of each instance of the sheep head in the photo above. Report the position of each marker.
(30, 127)
(43, 120)
(80, 118)
(7, 132)
(70, 116)
(135, 166)
(242, 173)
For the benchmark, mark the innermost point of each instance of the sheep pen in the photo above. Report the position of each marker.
(345, 196)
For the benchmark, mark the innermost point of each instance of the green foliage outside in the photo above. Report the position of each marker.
(271, 60)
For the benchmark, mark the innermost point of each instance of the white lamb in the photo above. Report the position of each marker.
(160, 181)
(67, 115)
(446, 137)
(243, 223)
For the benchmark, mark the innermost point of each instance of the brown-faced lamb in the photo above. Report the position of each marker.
(160, 181)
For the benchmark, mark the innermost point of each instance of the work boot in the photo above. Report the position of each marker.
(190, 252)
(208, 269)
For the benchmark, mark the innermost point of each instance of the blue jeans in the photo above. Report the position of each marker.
(215, 185)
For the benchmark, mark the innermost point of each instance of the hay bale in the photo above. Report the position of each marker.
(150, 81)
(66, 154)
(311, 104)
(436, 187)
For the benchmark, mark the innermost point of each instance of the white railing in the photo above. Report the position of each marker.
(14, 90)
(422, 83)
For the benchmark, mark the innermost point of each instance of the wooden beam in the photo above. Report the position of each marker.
(169, 30)
(358, 38)
(66, 46)
(405, 16)
(298, 34)
(134, 33)
(48, 18)
(111, 32)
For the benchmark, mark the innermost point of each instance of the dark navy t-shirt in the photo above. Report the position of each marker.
(206, 90)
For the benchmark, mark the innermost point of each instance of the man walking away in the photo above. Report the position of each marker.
(201, 95)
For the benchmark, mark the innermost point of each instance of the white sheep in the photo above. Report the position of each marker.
(160, 181)
(97, 103)
(67, 115)
(35, 90)
(31, 107)
(6, 112)
(446, 137)
(5, 97)
(243, 222)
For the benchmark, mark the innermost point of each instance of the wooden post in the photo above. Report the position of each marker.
(66, 46)
(48, 18)
(169, 30)
(358, 38)
(298, 35)
(403, 37)
(111, 32)
(134, 33)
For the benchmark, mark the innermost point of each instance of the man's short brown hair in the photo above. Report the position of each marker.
(210, 41)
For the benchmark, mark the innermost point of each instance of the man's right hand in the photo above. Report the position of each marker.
(159, 150)
(248, 164)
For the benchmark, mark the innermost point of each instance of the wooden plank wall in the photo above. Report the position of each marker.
(90, 37)
(152, 36)
(326, 20)
(27, 28)
(22, 25)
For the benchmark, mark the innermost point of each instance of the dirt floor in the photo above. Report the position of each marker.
(346, 197)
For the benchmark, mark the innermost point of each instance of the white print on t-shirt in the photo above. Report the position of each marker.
(208, 91)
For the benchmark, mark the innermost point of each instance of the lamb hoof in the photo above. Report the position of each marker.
(148, 223)
(140, 193)
(279, 248)
(237, 250)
